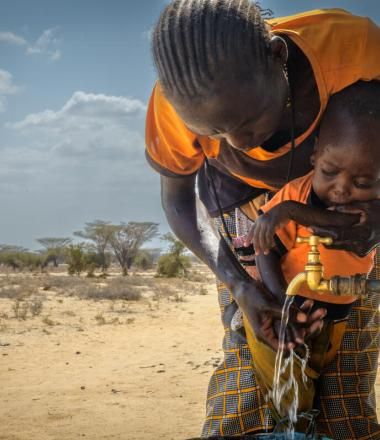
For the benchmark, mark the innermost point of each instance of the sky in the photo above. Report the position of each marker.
(75, 80)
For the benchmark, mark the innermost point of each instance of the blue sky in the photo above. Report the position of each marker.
(75, 77)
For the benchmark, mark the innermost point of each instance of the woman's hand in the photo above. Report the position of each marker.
(361, 238)
(264, 312)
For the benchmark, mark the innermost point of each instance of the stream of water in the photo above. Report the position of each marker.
(285, 365)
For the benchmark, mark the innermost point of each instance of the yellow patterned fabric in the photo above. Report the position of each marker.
(344, 392)
(264, 360)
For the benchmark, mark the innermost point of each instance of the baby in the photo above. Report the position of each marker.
(346, 164)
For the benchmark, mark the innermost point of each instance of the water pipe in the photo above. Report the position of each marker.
(355, 285)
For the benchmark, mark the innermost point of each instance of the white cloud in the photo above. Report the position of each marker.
(94, 127)
(91, 135)
(56, 55)
(7, 87)
(46, 44)
(11, 38)
(85, 110)
(82, 161)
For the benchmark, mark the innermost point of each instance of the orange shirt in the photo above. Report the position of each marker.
(335, 262)
(341, 48)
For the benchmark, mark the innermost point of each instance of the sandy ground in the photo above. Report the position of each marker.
(108, 369)
(73, 372)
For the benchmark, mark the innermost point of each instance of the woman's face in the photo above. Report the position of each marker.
(243, 115)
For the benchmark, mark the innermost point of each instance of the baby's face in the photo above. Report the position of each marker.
(346, 174)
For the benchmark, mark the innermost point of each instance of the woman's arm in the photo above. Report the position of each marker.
(190, 222)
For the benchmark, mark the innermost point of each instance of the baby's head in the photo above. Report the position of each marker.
(347, 155)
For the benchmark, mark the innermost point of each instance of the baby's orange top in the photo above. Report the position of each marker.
(335, 262)
(341, 48)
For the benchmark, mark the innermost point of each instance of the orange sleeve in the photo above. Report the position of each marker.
(171, 148)
(296, 190)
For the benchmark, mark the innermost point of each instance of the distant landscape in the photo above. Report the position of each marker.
(90, 349)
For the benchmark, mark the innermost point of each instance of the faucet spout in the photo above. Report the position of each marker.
(356, 285)
(296, 283)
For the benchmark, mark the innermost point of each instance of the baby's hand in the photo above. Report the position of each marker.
(263, 231)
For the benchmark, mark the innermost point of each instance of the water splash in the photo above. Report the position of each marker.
(286, 365)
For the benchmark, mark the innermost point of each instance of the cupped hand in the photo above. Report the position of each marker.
(264, 312)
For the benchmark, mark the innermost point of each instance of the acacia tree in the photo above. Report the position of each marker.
(99, 232)
(55, 248)
(10, 255)
(127, 239)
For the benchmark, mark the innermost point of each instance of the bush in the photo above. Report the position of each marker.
(143, 260)
(22, 260)
(173, 265)
(98, 261)
(76, 260)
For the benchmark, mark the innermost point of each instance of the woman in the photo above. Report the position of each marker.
(248, 95)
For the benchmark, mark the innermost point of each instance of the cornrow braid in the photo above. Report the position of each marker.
(197, 42)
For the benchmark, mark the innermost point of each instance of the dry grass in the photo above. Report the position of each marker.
(197, 276)
(28, 292)
(17, 291)
(24, 308)
(115, 289)
(25, 293)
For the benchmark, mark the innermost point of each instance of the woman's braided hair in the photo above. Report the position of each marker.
(197, 42)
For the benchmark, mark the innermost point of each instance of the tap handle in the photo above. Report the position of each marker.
(315, 240)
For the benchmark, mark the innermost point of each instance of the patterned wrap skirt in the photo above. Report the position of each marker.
(345, 390)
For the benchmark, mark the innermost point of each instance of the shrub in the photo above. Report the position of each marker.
(76, 259)
(171, 265)
(22, 260)
(174, 263)
(21, 308)
(143, 260)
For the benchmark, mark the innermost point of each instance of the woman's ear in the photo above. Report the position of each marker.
(312, 159)
(279, 48)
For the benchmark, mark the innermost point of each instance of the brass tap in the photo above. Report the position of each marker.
(356, 285)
